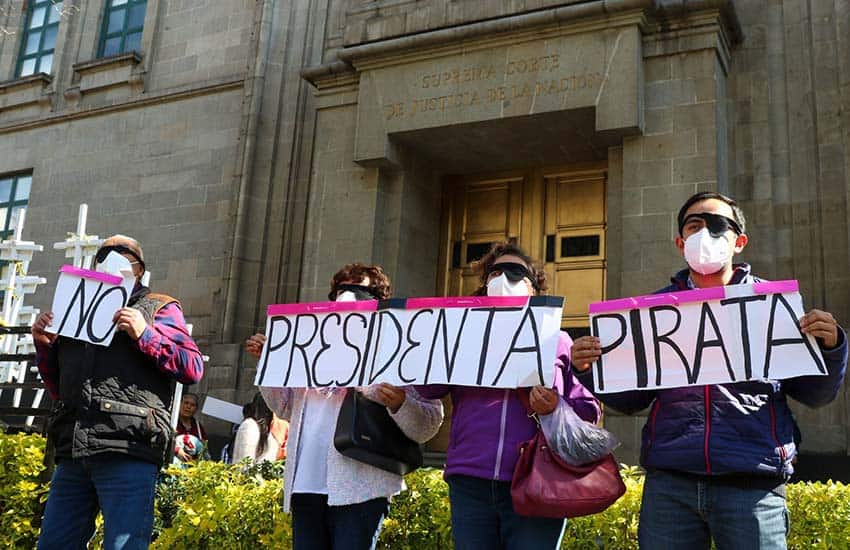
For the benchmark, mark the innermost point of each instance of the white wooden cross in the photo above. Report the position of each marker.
(16, 285)
(79, 246)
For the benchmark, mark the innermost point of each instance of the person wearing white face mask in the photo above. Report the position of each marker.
(717, 457)
(338, 503)
(111, 425)
(489, 425)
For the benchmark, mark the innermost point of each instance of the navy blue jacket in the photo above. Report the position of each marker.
(741, 428)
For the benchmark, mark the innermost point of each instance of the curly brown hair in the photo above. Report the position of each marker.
(482, 266)
(379, 282)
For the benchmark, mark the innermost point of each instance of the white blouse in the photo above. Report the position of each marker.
(247, 440)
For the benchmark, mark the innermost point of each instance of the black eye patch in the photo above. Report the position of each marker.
(717, 225)
(361, 292)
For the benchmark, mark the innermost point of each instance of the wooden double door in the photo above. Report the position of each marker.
(556, 215)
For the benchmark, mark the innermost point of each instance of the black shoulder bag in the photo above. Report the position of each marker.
(366, 432)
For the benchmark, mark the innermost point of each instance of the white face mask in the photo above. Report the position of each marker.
(346, 296)
(115, 264)
(502, 286)
(706, 254)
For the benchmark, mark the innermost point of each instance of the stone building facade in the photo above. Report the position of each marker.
(254, 146)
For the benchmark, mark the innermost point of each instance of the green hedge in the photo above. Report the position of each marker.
(213, 505)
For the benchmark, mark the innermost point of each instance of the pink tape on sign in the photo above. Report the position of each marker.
(776, 287)
(667, 298)
(466, 301)
(89, 274)
(321, 307)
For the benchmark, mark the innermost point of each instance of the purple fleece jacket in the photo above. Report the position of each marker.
(489, 425)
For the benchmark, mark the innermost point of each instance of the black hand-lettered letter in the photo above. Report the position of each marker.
(413, 344)
(450, 362)
(702, 343)
(529, 314)
(301, 347)
(745, 332)
(271, 347)
(352, 346)
(93, 309)
(658, 339)
(610, 347)
(323, 349)
(372, 374)
(771, 342)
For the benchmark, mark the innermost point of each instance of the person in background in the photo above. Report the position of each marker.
(338, 503)
(489, 425)
(254, 439)
(111, 425)
(718, 457)
(187, 424)
(227, 450)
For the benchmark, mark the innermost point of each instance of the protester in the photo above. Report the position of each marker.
(227, 450)
(111, 426)
(718, 457)
(337, 502)
(489, 424)
(254, 439)
(187, 424)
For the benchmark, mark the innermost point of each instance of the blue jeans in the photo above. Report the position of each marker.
(483, 517)
(317, 526)
(687, 512)
(121, 487)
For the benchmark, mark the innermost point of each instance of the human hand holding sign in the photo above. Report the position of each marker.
(585, 351)
(390, 396)
(254, 344)
(39, 335)
(130, 321)
(822, 325)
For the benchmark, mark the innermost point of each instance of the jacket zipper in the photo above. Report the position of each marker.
(652, 416)
(782, 453)
(707, 393)
(501, 434)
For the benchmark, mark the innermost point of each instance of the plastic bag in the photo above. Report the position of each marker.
(576, 441)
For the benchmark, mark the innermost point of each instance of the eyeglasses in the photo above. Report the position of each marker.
(120, 249)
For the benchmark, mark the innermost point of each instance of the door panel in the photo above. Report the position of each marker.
(480, 211)
(575, 239)
(557, 215)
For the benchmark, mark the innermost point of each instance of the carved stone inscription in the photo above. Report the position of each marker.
(504, 80)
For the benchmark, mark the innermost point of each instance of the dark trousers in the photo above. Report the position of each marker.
(317, 526)
(483, 518)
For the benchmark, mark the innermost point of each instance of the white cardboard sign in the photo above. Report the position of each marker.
(498, 342)
(715, 335)
(85, 303)
(223, 410)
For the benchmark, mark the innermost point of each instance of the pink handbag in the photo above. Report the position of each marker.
(544, 485)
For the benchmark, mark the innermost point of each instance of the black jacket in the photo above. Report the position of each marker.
(113, 399)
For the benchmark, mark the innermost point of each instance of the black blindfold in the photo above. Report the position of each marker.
(361, 292)
(717, 225)
(513, 271)
(103, 252)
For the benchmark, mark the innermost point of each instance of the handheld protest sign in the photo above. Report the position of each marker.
(224, 410)
(85, 303)
(498, 342)
(716, 335)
